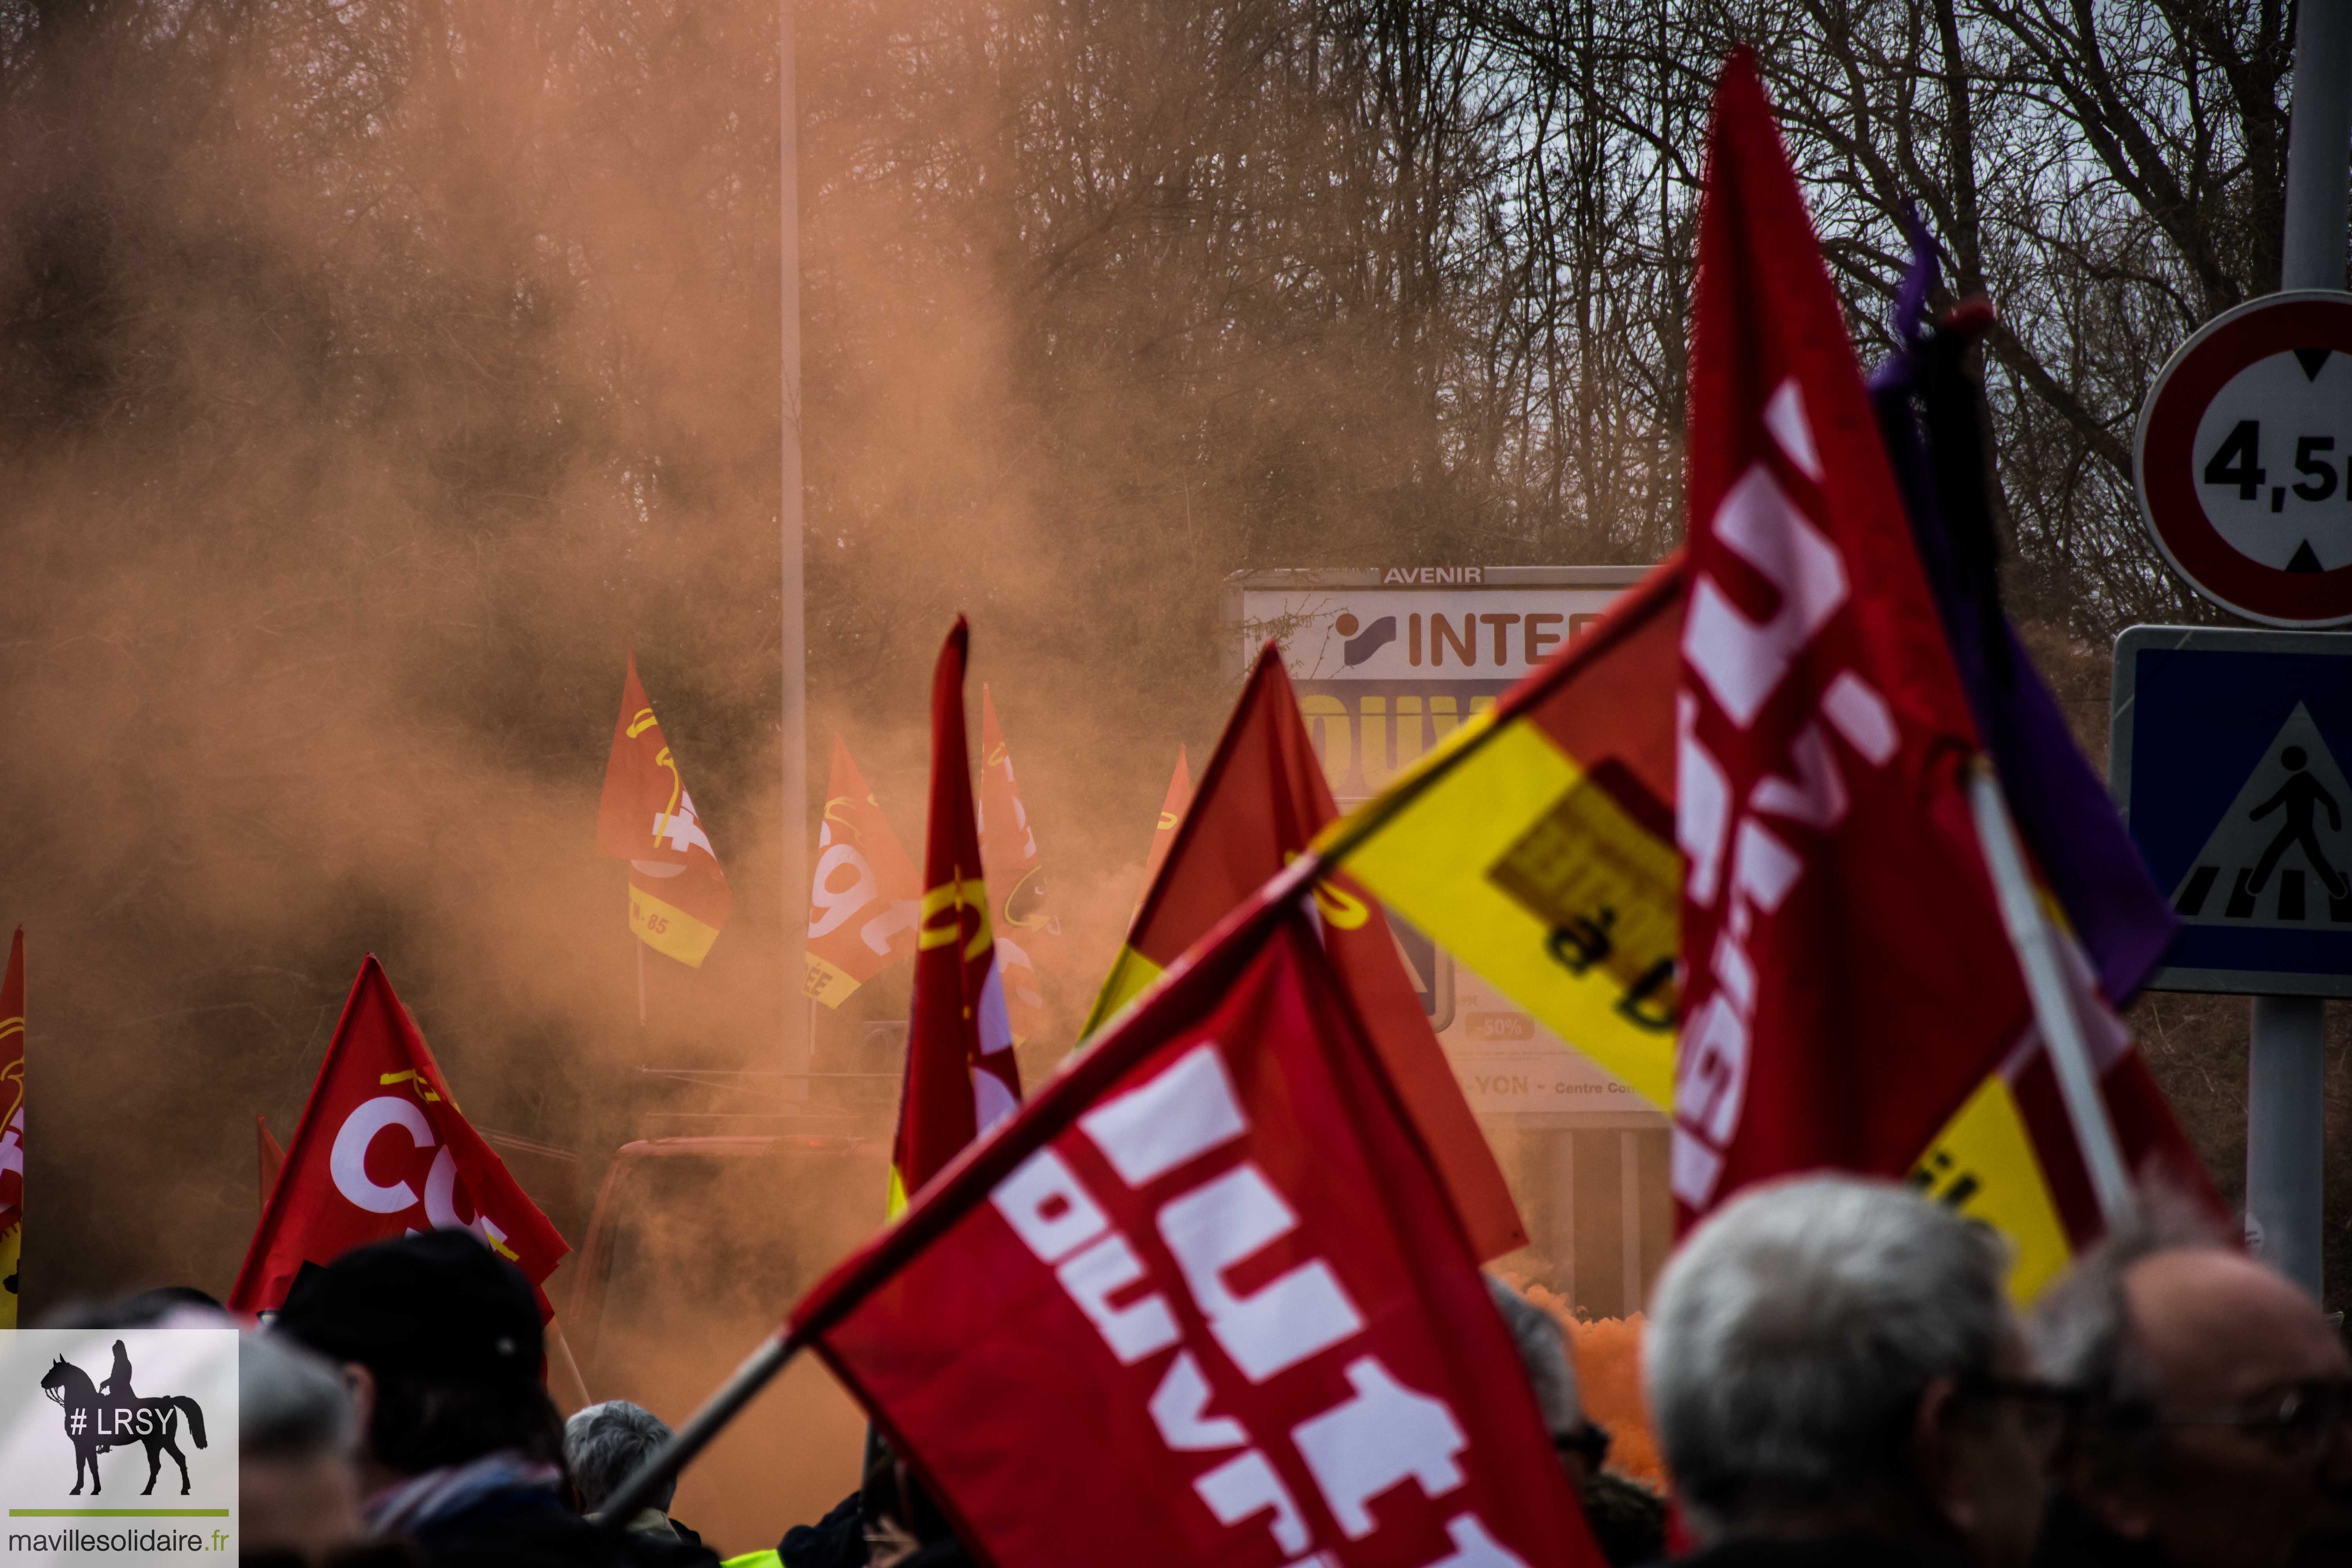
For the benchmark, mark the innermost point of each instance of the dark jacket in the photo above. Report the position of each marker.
(836, 1540)
(530, 1527)
(1628, 1520)
(1834, 1551)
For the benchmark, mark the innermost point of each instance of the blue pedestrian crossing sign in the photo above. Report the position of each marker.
(2228, 756)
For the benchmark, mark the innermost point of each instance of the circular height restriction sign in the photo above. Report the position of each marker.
(2241, 459)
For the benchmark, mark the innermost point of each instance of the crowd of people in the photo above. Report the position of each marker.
(1834, 1374)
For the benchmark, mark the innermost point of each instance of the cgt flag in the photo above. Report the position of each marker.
(12, 1128)
(1211, 1269)
(382, 1149)
(677, 895)
(961, 1075)
(1028, 935)
(863, 898)
(1262, 798)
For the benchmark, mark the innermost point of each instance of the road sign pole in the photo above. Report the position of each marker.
(2285, 1102)
(2319, 144)
(2287, 1070)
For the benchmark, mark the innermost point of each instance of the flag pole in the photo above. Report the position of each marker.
(564, 1370)
(758, 1369)
(2045, 982)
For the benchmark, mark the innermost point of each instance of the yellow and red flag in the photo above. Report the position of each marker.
(863, 897)
(677, 895)
(1538, 842)
(1028, 935)
(1558, 844)
(1171, 813)
(961, 1075)
(1538, 846)
(1262, 799)
(12, 1128)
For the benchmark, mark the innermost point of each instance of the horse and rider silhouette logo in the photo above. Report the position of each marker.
(111, 1415)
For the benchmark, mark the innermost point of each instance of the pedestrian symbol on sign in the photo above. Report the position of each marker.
(2281, 850)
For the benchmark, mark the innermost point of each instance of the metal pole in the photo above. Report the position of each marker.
(2286, 1068)
(2318, 145)
(1628, 1221)
(638, 1491)
(2284, 1106)
(793, 740)
(2045, 985)
(1563, 1229)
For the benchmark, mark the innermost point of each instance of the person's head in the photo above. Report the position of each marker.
(297, 1492)
(1829, 1355)
(1543, 1353)
(2212, 1389)
(439, 1341)
(605, 1444)
(162, 1306)
(1627, 1519)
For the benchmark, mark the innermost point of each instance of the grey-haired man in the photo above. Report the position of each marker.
(1836, 1377)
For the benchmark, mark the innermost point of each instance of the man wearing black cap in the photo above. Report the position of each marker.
(461, 1450)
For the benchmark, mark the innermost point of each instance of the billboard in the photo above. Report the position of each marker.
(1387, 662)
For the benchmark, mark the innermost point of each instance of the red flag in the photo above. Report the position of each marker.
(960, 1077)
(273, 1159)
(678, 894)
(381, 1149)
(863, 894)
(1263, 800)
(1847, 978)
(2154, 1147)
(1028, 934)
(1211, 1273)
(11, 1118)
(1171, 816)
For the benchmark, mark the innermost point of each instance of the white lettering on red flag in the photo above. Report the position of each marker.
(1847, 980)
(382, 1150)
(1217, 1310)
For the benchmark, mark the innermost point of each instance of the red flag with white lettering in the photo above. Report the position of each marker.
(381, 1149)
(1847, 977)
(1204, 1302)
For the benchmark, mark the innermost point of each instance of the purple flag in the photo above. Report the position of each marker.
(1928, 414)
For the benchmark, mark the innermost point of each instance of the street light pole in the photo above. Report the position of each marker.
(798, 1044)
